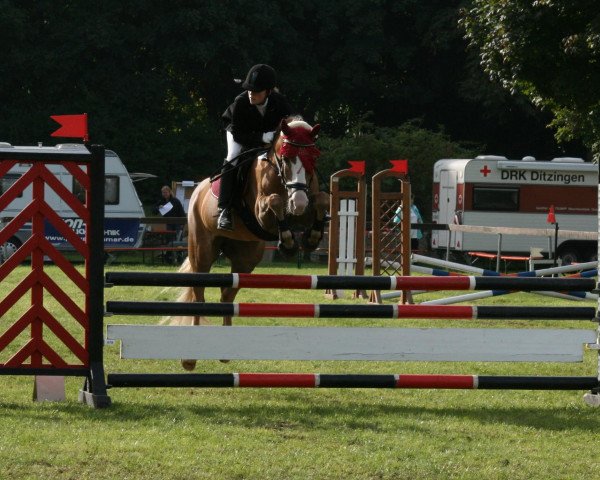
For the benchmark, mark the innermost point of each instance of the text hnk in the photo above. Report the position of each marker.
(513, 175)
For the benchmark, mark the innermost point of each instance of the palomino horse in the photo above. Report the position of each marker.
(282, 191)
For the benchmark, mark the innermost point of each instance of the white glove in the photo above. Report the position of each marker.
(268, 137)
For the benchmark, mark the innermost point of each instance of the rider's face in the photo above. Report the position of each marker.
(257, 98)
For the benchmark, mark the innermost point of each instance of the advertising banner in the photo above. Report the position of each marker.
(118, 232)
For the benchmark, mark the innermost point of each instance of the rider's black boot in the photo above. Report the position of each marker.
(225, 221)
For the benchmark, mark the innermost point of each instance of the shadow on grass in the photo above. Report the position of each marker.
(297, 411)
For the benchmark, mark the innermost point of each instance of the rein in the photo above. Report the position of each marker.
(234, 164)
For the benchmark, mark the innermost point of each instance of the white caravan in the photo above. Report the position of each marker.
(123, 209)
(494, 191)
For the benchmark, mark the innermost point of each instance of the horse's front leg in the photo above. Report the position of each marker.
(276, 204)
(228, 295)
(193, 294)
(312, 237)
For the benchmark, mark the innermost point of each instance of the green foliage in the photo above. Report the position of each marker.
(377, 146)
(154, 76)
(548, 50)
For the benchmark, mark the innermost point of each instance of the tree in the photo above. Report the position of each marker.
(377, 146)
(548, 50)
(155, 76)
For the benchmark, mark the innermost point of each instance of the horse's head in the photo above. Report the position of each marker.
(297, 154)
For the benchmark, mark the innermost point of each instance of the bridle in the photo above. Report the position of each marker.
(279, 162)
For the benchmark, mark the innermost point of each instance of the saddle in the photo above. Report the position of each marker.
(244, 211)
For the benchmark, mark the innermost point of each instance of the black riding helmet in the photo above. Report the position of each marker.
(260, 77)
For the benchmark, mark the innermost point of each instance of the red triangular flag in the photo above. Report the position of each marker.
(71, 126)
(357, 166)
(399, 166)
(551, 218)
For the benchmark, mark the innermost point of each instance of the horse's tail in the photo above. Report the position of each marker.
(187, 295)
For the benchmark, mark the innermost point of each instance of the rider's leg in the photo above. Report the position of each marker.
(225, 221)
(233, 148)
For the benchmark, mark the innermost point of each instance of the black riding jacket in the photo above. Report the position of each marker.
(246, 123)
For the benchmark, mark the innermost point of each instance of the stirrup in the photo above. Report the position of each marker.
(225, 221)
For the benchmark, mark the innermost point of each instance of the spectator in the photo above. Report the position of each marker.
(170, 206)
(415, 217)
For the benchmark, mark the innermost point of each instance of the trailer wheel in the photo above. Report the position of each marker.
(569, 256)
(9, 248)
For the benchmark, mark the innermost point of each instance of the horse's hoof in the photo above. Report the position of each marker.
(188, 365)
(307, 244)
(287, 252)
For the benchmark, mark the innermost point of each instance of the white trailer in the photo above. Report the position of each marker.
(498, 192)
(122, 206)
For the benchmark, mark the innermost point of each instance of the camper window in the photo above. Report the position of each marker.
(111, 190)
(7, 181)
(496, 199)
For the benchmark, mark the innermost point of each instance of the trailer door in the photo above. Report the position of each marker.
(448, 180)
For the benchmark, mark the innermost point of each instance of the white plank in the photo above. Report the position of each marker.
(342, 343)
(350, 238)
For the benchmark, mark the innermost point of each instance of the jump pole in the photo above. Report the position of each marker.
(334, 282)
(582, 295)
(571, 295)
(469, 297)
(315, 380)
(485, 272)
(307, 310)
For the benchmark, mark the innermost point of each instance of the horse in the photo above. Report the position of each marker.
(281, 192)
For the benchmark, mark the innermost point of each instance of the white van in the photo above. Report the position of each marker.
(123, 209)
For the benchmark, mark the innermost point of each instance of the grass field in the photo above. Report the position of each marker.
(301, 434)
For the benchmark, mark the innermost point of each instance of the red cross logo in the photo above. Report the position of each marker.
(485, 170)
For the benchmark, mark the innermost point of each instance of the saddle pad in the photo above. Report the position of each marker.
(215, 187)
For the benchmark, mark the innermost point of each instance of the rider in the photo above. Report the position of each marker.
(250, 122)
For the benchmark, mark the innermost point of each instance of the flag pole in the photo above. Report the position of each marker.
(552, 220)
